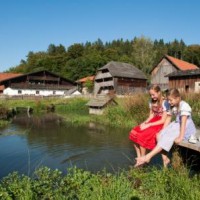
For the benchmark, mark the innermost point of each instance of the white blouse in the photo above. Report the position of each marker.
(184, 109)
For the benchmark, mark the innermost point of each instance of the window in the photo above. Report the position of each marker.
(19, 92)
(187, 88)
(37, 92)
(54, 92)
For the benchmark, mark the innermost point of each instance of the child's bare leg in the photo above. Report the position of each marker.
(149, 156)
(138, 152)
(142, 154)
(165, 159)
(137, 149)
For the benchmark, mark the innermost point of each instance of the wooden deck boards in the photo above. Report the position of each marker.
(189, 145)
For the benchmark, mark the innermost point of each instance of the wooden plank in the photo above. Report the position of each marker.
(99, 101)
(189, 145)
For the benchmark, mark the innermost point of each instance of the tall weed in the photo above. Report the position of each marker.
(137, 105)
(117, 116)
(194, 101)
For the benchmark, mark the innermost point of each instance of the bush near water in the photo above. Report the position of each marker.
(134, 184)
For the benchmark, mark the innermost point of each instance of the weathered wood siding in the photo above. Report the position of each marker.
(103, 81)
(119, 85)
(96, 111)
(119, 78)
(160, 71)
(126, 85)
(185, 83)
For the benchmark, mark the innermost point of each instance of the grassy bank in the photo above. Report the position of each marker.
(75, 111)
(134, 184)
(124, 114)
(130, 110)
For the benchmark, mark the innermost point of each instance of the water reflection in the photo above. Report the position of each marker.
(29, 143)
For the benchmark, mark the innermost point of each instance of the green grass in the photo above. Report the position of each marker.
(3, 123)
(129, 111)
(149, 184)
(76, 112)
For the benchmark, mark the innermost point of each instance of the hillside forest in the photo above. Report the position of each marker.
(80, 60)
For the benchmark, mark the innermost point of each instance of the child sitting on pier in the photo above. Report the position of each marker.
(144, 135)
(176, 131)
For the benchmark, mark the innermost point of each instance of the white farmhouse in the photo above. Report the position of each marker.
(41, 83)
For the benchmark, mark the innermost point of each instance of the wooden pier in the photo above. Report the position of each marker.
(189, 145)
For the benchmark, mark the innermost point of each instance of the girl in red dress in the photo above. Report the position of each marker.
(144, 135)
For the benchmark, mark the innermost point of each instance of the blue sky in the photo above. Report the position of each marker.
(31, 25)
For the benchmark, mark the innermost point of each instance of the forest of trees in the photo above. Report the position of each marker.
(80, 60)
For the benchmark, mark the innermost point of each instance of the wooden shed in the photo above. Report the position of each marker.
(167, 65)
(185, 81)
(98, 104)
(119, 78)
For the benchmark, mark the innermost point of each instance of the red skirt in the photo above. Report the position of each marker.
(147, 137)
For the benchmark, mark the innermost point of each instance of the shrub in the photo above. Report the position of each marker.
(138, 107)
(117, 116)
(15, 186)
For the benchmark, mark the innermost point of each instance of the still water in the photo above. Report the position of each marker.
(31, 142)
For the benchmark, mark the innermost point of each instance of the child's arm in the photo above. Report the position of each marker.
(167, 121)
(182, 129)
(145, 123)
(161, 121)
(151, 115)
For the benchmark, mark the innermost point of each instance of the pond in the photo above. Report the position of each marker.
(30, 142)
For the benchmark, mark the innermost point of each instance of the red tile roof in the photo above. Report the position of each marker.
(83, 80)
(182, 65)
(2, 87)
(4, 76)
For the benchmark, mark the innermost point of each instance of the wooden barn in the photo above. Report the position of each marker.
(166, 66)
(119, 78)
(185, 81)
(41, 83)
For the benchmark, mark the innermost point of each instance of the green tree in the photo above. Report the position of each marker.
(75, 51)
(160, 49)
(143, 53)
(51, 49)
(176, 49)
(192, 54)
(89, 85)
(81, 60)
